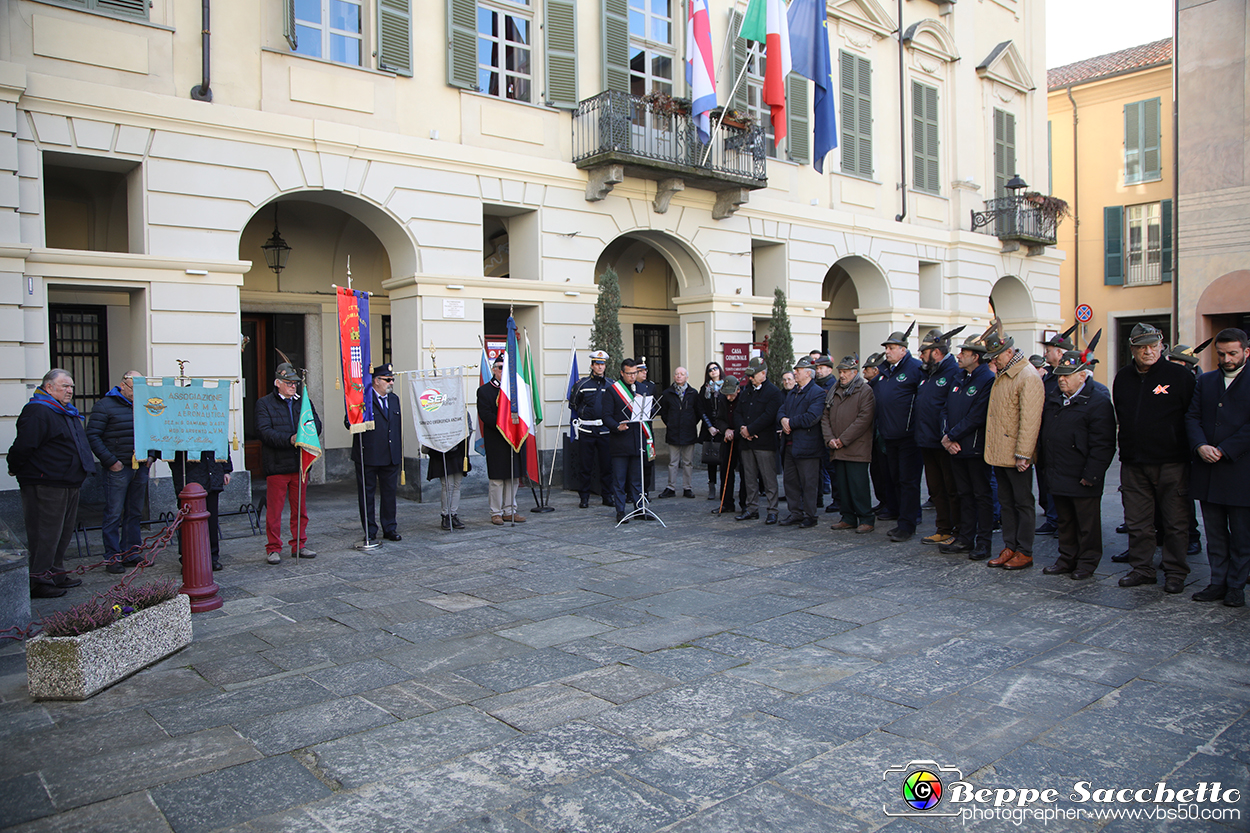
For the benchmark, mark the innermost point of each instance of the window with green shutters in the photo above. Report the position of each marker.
(121, 8)
(924, 138)
(561, 53)
(798, 125)
(505, 50)
(462, 44)
(1004, 150)
(1113, 245)
(335, 30)
(616, 45)
(855, 84)
(1142, 137)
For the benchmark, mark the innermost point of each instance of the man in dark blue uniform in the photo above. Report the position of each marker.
(896, 420)
(804, 447)
(377, 456)
(963, 420)
(625, 440)
(940, 371)
(590, 402)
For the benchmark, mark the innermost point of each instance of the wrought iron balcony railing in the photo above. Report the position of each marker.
(618, 128)
(1018, 218)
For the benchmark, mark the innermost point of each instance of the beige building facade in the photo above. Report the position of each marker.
(448, 162)
(1213, 78)
(1111, 155)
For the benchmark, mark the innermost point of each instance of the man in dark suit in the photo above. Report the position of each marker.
(755, 418)
(1218, 428)
(383, 455)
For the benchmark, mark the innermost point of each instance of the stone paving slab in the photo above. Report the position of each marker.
(568, 676)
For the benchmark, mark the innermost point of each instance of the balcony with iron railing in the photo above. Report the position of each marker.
(616, 134)
(1029, 218)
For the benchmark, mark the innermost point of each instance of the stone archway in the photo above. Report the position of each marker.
(854, 288)
(1224, 303)
(1012, 302)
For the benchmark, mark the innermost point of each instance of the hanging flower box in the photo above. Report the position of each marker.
(76, 667)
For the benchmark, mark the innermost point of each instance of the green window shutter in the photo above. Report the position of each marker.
(1113, 245)
(1150, 140)
(798, 130)
(846, 107)
(924, 138)
(1004, 150)
(395, 36)
(1132, 142)
(561, 32)
(288, 23)
(855, 83)
(125, 8)
(739, 61)
(462, 44)
(616, 45)
(1165, 221)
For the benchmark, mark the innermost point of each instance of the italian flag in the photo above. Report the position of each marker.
(516, 405)
(765, 22)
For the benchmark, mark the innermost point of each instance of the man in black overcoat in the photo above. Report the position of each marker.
(378, 455)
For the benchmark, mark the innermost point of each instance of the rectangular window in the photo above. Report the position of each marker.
(504, 51)
(1004, 151)
(79, 344)
(924, 121)
(1142, 159)
(855, 83)
(329, 29)
(1143, 244)
(386, 340)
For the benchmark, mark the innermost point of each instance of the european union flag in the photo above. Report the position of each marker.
(809, 52)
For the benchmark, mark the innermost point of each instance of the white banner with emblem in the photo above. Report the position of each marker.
(438, 407)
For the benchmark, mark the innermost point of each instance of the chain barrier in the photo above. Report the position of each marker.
(153, 545)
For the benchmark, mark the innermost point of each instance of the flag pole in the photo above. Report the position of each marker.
(732, 91)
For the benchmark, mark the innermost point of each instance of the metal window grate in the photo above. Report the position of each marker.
(80, 346)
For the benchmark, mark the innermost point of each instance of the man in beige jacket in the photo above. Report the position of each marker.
(1011, 429)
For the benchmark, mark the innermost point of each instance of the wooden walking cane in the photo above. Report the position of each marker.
(725, 474)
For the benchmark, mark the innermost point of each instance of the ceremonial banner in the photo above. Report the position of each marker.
(516, 405)
(353, 307)
(194, 419)
(306, 439)
(437, 405)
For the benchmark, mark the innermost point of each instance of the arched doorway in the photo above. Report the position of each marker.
(857, 308)
(1224, 303)
(293, 311)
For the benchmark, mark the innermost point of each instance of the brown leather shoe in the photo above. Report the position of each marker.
(842, 525)
(1003, 557)
(864, 529)
(516, 519)
(1019, 562)
(496, 520)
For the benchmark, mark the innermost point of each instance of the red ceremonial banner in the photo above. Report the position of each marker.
(353, 307)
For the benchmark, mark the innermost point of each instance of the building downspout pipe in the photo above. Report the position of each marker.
(1176, 185)
(202, 91)
(902, 117)
(1076, 209)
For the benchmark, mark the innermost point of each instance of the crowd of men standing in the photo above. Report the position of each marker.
(982, 422)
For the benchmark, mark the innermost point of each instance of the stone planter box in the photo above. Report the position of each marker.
(76, 667)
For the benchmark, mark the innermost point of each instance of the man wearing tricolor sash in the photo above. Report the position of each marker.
(625, 439)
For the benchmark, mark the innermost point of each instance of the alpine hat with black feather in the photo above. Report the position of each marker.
(899, 338)
(1062, 340)
(995, 340)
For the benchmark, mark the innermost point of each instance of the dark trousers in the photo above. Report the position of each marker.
(212, 505)
(851, 480)
(1080, 531)
(377, 479)
(278, 489)
(939, 475)
(879, 472)
(1228, 543)
(757, 464)
(1044, 499)
(626, 482)
(124, 493)
(1015, 495)
(976, 500)
(1142, 488)
(592, 452)
(904, 462)
(802, 476)
(51, 513)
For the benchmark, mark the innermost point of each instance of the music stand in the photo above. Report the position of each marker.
(641, 410)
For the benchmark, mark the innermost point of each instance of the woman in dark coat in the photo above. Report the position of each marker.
(1077, 442)
(503, 465)
(450, 467)
(709, 433)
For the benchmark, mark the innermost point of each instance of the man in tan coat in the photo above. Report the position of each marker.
(1011, 428)
(847, 428)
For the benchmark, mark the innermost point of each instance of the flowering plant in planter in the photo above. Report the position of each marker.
(118, 603)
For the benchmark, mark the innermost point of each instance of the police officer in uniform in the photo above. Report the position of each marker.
(895, 392)
(590, 403)
(382, 450)
(940, 370)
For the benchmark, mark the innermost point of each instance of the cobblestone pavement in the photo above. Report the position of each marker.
(566, 675)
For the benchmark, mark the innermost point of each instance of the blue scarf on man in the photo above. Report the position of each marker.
(44, 398)
(79, 437)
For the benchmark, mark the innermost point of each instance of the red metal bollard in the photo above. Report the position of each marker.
(197, 558)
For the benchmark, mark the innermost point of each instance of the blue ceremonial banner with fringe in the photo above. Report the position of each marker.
(194, 418)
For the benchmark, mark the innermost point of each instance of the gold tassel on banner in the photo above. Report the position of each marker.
(134, 461)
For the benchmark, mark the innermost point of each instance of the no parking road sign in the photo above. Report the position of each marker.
(1084, 313)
